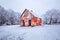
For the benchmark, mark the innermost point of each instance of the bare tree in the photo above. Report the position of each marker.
(52, 16)
(8, 17)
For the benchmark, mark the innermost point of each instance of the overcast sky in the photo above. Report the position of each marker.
(38, 6)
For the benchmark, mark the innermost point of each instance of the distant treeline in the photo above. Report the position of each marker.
(52, 17)
(8, 17)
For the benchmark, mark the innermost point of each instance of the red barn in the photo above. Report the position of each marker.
(28, 19)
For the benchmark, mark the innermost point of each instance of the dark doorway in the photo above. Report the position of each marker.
(23, 23)
(29, 22)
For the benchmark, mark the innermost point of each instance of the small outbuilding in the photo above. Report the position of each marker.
(28, 19)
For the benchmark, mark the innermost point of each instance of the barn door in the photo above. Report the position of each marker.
(29, 22)
(23, 23)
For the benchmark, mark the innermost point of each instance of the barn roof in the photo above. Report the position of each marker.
(26, 12)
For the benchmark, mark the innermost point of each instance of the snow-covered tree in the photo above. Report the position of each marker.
(13, 17)
(2, 15)
(52, 16)
(8, 17)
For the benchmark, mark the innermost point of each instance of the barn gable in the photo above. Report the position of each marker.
(27, 14)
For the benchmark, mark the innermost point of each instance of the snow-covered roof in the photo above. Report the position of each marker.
(27, 13)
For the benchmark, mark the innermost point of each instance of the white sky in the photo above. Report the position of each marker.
(38, 6)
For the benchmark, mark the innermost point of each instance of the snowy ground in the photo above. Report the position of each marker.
(44, 32)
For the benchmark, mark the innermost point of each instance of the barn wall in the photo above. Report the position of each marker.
(34, 21)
